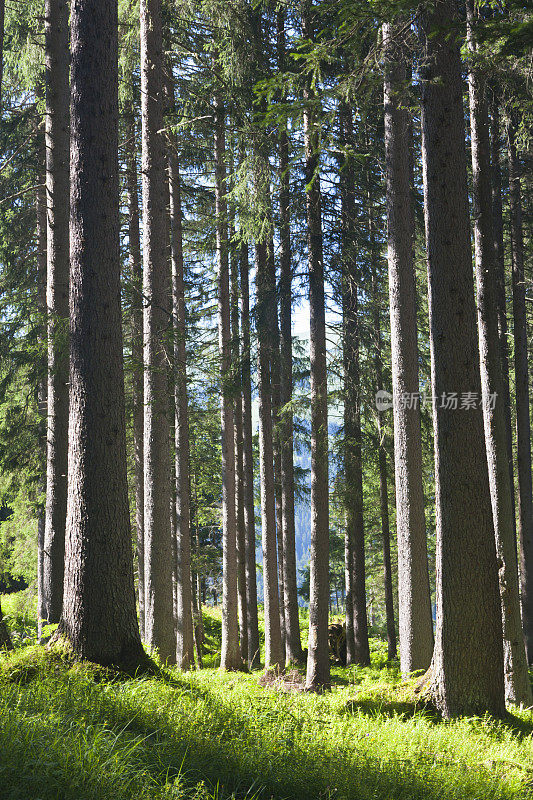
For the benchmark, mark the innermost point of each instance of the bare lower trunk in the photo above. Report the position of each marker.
(184, 618)
(248, 466)
(57, 188)
(467, 668)
(318, 671)
(230, 658)
(517, 686)
(293, 646)
(414, 612)
(159, 617)
(99, 616)
(136, 354)
(42, 394)
(523, 423)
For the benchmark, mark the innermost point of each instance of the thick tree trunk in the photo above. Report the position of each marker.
(184, 618)
(57, 188)
(136, 354)
(500, 280)
(293, 646)
(523, 423)
(159, 618)
(414, 611)
(230, 658)
(42, 393)
(266, 304)
(517, 686)
(318, 671)
(248, 466)
(467, 667)
(99, 616)
(353, 468)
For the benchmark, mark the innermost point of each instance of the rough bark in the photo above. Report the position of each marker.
(135, 265)
(57, 188)
(184, 618)
(99, 616)
(2, 17)
(293, 646)
(523, 422)
(318, 671)
(248, 466)
(517, 686)
(159, 621)
(467, 667)
(414, 611)
(265, 310)
(353, 468)
(230, 658)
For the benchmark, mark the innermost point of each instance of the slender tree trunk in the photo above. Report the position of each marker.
(293, 646)
(99, 616)
(136, 353)
(467, 667)
(523, 423)
(382, 453)
(248, 466)
(517, 686)
(159, 619)
(499, 266)
(318, 672)
(5, 638)
(42, 393)
(237, 420)
(230, 658)
(357, 651)
(2, 18)
(185, 628)
(414, 611)
(57, 188)
(266, 304)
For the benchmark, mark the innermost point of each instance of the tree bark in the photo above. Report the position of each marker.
(5, 638)
(99, 616)
(467, 667)
(248, 466)
(57, 188)
(230, 658)
(517, 686)
(353, 469)
(184, 618)
(523, 423)
(318, 671)
(266, 304)
(414, 611)
(136, 353)
(159, 619)
(293, 646)
(2, 19)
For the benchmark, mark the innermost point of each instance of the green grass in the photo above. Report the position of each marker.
(68, 731)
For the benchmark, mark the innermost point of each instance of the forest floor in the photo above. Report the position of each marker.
(71, 732)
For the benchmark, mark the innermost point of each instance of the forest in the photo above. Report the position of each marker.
(266, 496)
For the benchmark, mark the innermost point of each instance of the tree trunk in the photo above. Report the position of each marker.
(230, 658)
(318, 672)
(248, 466)
(136, 353)
(5, 638)
(99, 616)
(523, 423)
(293, 646)
(501, 301)
(414, 611)
(517, 686)
(184, 618)
(57, 188)
(159, 618)
(2, 18)
(237, 421)
(467, 668)
(42, 393)
(266, 304)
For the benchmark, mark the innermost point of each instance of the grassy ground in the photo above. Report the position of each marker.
(69, 731)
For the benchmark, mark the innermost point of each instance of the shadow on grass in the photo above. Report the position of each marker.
(383, 707)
